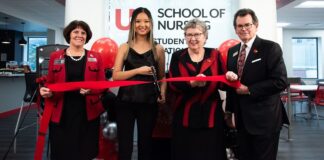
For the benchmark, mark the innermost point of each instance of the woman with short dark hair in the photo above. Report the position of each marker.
(74, 126)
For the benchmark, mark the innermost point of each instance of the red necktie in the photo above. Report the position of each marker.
(241, 61)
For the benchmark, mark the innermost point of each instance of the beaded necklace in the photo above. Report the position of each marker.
(75, 59)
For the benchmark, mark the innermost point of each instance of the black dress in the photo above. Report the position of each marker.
(138, 104)
(74, 137)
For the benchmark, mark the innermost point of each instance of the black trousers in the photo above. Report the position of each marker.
(145, 115)
(257, 147)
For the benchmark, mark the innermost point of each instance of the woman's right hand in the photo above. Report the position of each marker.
(198, 83)
(230, 120)
(45, 92)
(145, 70)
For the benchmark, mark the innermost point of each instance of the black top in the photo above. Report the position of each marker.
(144, 93)
(74, 102)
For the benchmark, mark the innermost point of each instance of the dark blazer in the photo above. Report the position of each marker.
(94, 71)
(265, 75)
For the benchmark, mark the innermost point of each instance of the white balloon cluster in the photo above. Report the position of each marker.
(109, 130)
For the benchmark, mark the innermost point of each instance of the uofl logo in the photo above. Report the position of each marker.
(118, 22)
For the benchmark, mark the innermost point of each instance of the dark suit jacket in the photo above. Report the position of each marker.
(265, 75)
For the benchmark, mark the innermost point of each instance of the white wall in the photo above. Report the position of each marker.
(265, 10)
(75, 10)
(288, 34)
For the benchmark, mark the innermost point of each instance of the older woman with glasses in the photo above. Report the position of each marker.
(198, 122)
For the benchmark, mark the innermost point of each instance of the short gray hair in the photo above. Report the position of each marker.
(194, 23)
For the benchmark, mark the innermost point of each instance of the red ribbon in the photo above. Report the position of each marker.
(220, 78)
(45, 119)
(68, 86)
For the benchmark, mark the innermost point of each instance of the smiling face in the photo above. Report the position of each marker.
(142, 24)
(245, 29)
(195, 38)
(78, 37)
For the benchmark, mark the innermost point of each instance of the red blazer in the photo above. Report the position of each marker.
(94, 71)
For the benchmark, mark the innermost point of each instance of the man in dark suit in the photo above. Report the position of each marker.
(256, 104)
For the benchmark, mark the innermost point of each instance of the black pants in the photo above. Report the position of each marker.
(258, 147)
(145, 116)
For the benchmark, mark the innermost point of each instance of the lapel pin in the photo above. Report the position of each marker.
(255, 51)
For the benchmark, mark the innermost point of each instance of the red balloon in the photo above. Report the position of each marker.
(108, 49)
(223, 48)
(107, 148)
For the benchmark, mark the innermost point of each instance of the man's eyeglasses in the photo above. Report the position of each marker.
(196, 35)
(245, 26)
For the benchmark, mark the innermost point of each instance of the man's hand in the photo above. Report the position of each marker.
(243, 90)
(231, 76)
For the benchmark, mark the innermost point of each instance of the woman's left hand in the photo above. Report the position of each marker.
(85, 91)
(161, 98)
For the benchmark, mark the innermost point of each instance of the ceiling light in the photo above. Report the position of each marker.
(6, 39)
(311, 4)
(22, 41)
(282, 24)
